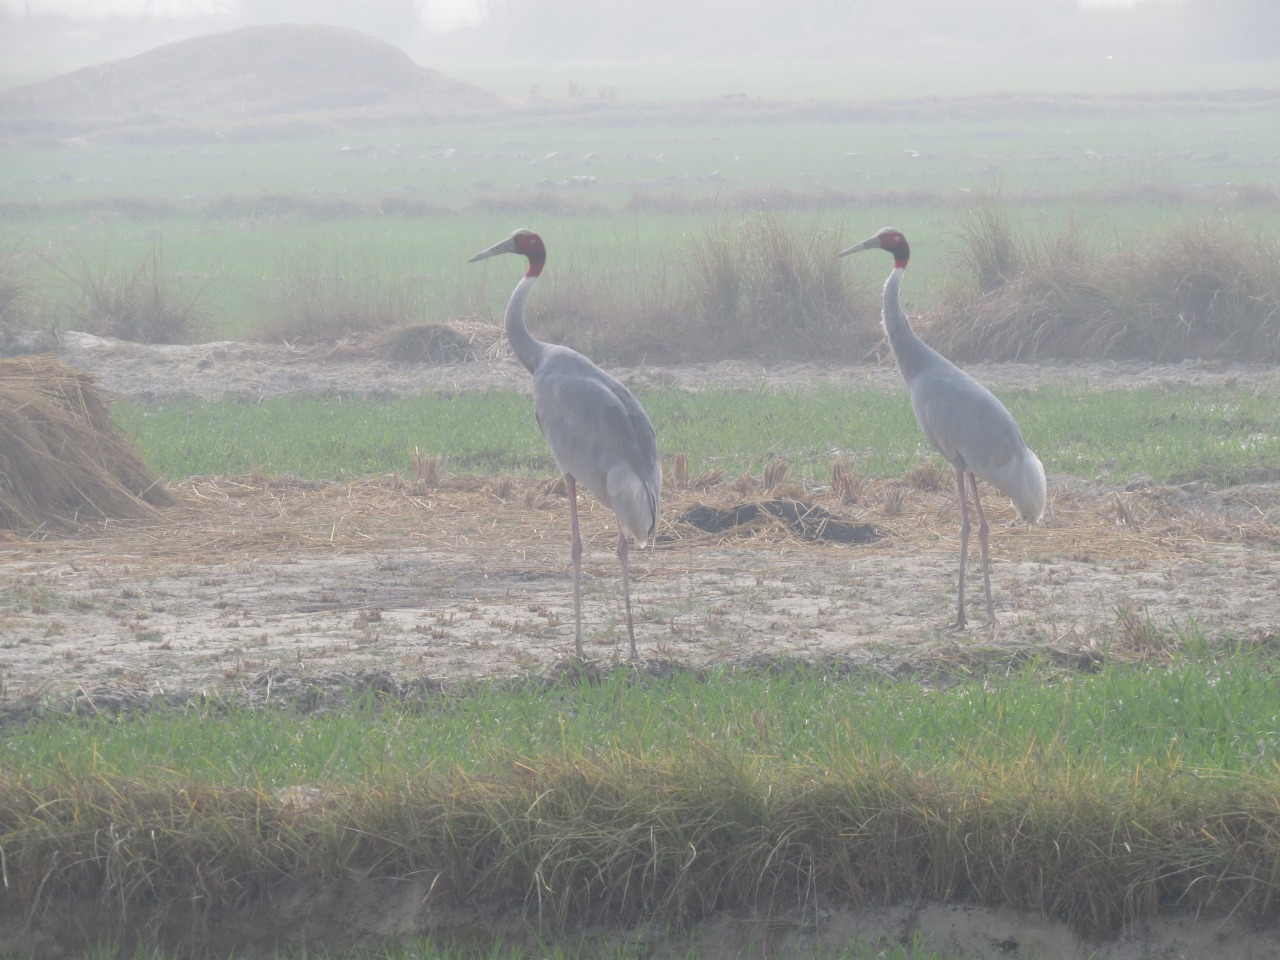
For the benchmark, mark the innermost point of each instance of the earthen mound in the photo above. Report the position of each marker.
(256, 76)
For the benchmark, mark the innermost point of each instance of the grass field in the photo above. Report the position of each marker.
(1216, 435)
(1045, 773)
(1099, 790)
(615, 193)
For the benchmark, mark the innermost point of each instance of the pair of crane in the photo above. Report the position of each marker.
(600, 435)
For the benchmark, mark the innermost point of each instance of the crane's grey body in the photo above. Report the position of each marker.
(961, 418)
(598, 433)
(614, 452)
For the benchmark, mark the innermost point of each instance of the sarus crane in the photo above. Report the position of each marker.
(598, 433)
(961, 418)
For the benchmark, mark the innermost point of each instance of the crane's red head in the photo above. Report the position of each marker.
(524, 242)
(887, 239)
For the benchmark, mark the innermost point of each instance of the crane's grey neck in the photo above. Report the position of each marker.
(528, 349)
(909, 350)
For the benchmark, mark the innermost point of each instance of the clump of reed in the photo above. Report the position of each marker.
(141, 302)
(1204, 288)
(762, 286)
(327, 294)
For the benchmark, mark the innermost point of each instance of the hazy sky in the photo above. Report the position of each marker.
(440, 13)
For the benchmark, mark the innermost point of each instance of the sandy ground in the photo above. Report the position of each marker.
(245, 579)
(255, 370)
(267, 587)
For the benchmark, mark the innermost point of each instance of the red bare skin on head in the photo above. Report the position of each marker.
(895, 243)
(530, 245)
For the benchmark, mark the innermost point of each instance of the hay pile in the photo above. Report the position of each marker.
(62, 458)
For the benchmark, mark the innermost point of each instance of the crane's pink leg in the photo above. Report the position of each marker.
(626, 586)
(982, 539)
(964, 544)
(575, 551)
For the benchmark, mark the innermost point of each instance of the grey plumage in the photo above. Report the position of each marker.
(597, 430)
(961, 418)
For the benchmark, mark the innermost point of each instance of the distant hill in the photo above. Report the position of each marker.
(256, 79)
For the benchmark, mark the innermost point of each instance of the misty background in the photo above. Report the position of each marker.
(41, 38)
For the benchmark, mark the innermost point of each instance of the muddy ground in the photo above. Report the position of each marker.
(267, 587)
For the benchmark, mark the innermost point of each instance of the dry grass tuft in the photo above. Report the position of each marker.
(847, 484)
(139, 303)
(455, 342)
(331, 294)
(763, 286)
(680, 471)
(707, 479)
(1140, 637)
(501, 488)
(775, 472)
(928, 476)
(894, 500)
(64, 460)
(15, 291)
(1205, 288)
(427, 469)
(744, 486)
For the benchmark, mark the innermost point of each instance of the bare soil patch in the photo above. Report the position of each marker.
(247, 578)
(369, 368)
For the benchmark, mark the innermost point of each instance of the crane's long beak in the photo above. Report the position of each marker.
(872, 244)
(506, 246)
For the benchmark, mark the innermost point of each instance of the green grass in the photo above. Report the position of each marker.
(1211, 713)
(1093, 797)
(456, 164)
(1215, 435)
(233, 215)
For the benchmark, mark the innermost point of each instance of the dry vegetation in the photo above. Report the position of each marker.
(556, 843)
(1203, 289)
(64, 460)
(761, 286)
(142, 303)
(764, 287)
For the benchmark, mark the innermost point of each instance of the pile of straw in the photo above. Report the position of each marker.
(62, 459)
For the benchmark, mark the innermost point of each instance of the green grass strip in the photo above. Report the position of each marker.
(1213, 434)
(1202, 713)
(1097, 798)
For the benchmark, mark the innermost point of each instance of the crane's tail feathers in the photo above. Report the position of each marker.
(1029, 490)
(650, 535)
(635, 501)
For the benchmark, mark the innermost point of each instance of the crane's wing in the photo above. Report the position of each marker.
(599, 433)
(975, 431)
